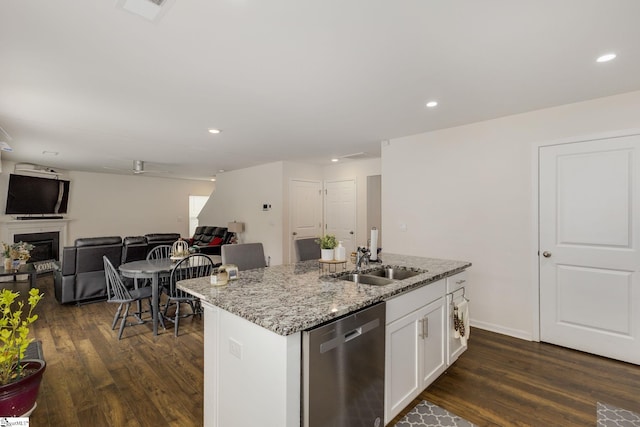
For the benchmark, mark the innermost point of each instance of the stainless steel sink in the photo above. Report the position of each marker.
(393, 273)
(366, 279)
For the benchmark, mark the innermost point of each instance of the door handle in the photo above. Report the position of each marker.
(294, 233)
(351, 232)
(424, 328)
(546, 254)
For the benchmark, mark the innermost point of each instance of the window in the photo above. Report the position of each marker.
(196, 203)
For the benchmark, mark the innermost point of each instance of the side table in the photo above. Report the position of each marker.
(23, 269)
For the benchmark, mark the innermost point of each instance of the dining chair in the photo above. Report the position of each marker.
(307, 249)
(195, 265)
(118, 293)
(245, 256)
(160, 252)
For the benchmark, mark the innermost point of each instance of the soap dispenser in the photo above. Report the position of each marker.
(340, 252)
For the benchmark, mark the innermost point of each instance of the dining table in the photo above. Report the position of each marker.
(152, 269)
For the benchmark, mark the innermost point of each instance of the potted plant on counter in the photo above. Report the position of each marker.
(327, 243)
(19, 378)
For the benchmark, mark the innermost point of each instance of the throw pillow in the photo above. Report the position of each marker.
(216, 241)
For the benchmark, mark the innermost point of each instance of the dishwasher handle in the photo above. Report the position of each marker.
(351, 335)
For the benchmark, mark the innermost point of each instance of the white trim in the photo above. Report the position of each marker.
(535, 202)
(12, 227)
(516, 333)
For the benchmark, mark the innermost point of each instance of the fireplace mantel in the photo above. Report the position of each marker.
(11, 227)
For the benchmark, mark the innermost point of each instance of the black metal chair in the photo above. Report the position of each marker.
(195, 265)
(307, 249)
(118, 293)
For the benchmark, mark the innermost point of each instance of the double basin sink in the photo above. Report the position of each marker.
(380, 276)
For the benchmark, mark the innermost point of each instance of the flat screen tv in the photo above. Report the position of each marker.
(30, 195)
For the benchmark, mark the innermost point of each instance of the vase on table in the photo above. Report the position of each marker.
(326, 254)
(8, 264)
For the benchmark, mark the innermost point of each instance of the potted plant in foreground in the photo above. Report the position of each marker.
(19, 378)
(327, 243)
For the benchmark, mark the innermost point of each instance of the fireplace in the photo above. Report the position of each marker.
(46, 245)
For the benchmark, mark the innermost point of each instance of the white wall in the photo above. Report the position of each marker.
(122, 205)
(467, 193)
(239, 196)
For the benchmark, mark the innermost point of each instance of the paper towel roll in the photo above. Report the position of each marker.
(373, 246)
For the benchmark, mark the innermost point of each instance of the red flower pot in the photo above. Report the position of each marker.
(19, 397)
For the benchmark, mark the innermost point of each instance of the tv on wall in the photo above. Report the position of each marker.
(30, 195)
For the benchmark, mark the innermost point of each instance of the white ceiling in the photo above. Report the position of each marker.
(299, 80)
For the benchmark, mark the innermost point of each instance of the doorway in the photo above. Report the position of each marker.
(305, 212)
(340, 212)
(589, 240)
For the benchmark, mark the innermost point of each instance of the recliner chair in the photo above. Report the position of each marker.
(81, 277)
(156, 239)
(134, 248)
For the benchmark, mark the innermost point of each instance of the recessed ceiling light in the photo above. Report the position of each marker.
(214, 131)
(334, 160)
(432, 104)
(606, 58)
(213, 180)
(220, 170)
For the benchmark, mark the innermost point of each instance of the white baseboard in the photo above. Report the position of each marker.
(523, 335)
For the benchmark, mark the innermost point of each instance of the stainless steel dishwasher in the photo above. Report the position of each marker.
(343, 371)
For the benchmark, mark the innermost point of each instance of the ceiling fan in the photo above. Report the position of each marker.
(138, 168)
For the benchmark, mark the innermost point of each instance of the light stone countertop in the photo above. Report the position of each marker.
(286, 299)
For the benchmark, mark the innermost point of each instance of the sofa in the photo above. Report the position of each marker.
(156, 239)
(80, 278)
(209, 239)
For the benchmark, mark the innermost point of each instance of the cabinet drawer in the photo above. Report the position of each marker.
(404, 304)
(457, 281)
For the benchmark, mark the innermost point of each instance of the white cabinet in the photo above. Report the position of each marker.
(415, 345)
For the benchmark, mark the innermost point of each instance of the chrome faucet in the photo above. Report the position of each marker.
(361, 255)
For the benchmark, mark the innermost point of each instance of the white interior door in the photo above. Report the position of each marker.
(340, 212)
(305, 211)
(589, 237)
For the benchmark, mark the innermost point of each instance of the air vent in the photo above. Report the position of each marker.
(357, 156)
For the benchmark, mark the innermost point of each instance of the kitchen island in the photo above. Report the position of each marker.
(253, 331)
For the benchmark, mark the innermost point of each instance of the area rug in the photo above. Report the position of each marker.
(611, 416)
(426, 414)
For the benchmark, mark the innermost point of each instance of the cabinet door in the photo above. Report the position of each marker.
(431, 329)
(402, 370)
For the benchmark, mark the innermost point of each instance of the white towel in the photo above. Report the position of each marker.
(461, 320)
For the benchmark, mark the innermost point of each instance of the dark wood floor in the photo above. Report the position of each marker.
(504, 381)
(92, 379)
